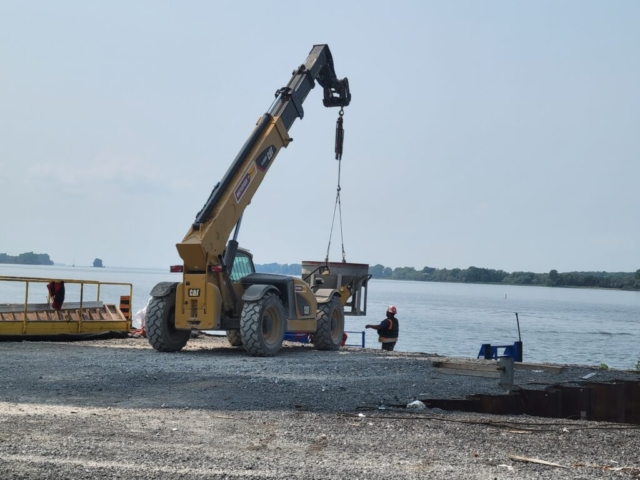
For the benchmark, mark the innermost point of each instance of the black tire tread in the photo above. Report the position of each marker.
(250, 327)
(157, 331)
(234, 337)
(322, 338)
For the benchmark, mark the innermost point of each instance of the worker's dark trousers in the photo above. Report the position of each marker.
(388, 346)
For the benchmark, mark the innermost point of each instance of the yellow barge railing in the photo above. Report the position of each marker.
(72, 318)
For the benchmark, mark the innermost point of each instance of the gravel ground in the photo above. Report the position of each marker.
(118, 409)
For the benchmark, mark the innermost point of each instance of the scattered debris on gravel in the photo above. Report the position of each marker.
(118, 409)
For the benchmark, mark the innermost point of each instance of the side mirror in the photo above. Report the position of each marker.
(319, 281)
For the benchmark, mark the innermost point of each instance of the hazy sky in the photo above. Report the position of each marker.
(494, 134)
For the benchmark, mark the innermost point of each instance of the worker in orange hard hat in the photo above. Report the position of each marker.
(388, 329)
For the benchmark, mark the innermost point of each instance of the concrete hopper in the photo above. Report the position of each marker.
(343, 277)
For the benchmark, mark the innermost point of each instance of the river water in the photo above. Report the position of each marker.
(583, 326)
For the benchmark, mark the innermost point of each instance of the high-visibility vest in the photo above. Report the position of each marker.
(390, 335)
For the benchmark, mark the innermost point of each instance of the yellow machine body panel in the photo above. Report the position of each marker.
(45, 328)
(306, 308)
(306, 303)
(198, 304)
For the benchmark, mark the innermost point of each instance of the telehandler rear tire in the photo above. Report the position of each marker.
(330, 329)
(234, 337)
(262, 326)
(160, 324)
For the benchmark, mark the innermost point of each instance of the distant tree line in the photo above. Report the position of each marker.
(28, 258)
(620, 280)
(286, 269)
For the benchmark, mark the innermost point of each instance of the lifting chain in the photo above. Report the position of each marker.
(339, 135)
(338, 204)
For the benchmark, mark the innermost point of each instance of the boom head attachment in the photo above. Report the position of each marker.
(337, 93)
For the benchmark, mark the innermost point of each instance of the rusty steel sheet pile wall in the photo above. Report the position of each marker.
(617, 402)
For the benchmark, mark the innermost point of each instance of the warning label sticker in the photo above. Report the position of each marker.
(242, 186)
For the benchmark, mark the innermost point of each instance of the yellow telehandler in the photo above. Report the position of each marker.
(220, 289)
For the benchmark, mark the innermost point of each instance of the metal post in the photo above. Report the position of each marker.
(80, 315)
(365, 285)
(26, 301)
(505, 366)
(519, 342)
(131, 303)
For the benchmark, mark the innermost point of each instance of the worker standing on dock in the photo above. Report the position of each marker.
(388, 329)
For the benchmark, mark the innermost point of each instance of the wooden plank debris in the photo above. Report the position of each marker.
(490, 367)
(470, 370)
(536, 460)
(470, 373)
(537, 366)
(467, 366)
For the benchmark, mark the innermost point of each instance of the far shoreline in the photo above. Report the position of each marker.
(577, 287)
(512, 285)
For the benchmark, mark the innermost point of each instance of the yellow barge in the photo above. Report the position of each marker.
(79, 318)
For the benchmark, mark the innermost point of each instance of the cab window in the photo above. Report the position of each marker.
(242, 266)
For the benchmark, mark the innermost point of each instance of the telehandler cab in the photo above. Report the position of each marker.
(220, 289)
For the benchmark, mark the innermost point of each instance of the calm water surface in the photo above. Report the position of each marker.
(557, 324)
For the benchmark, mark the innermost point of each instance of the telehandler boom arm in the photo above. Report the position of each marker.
(203, 246)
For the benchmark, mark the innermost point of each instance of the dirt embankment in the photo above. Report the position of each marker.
(118, 409)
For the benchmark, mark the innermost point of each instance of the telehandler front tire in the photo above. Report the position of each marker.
(160, 324)
(234, 337)
(330, 329)
(262, 326)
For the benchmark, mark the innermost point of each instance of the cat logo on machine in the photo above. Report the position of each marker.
(194, 292)
(263, 160)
